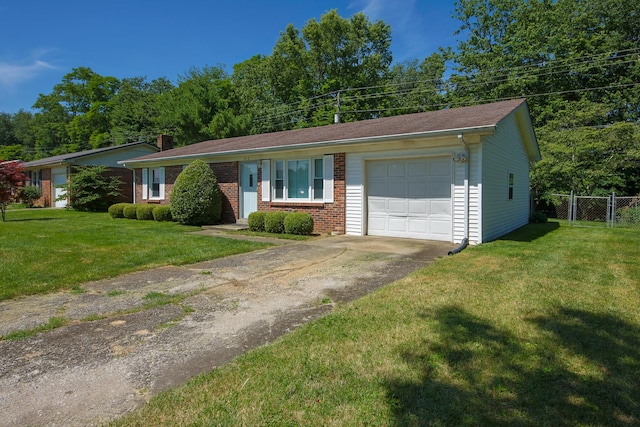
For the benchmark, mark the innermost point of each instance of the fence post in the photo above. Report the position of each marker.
(570, 216)
(613, 209)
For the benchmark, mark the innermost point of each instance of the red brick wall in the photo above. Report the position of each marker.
(45, 200)
(327, 217)
(227, 175)
(126, 188)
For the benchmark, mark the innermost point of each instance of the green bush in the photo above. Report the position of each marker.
(162, 213)
(144, 212)
(28, 195)
(130, 211)
(196, 198)
(116, 211)
(538, 217)
(90, 189)
(274, 222)
(298, 223)
(256, 221)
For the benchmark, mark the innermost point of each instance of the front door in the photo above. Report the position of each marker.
(248, 188)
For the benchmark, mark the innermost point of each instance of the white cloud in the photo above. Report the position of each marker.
(16, 73)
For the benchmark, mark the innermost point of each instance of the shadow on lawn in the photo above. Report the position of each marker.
(32, 219)
(473, 373)
(531, 232)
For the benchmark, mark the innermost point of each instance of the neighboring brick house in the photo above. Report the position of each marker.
(52, 173)
(442, 175)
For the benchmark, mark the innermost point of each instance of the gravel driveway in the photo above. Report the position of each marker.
(123, 345)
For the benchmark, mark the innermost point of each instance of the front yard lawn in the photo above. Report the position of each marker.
(44, 250)
(539, 328)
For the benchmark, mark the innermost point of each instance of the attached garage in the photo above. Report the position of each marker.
(58, 182)
(410, 198)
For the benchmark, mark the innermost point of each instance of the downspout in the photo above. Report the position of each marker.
(464, 159)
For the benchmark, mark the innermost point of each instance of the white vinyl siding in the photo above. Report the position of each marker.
(504, 153)
(354, 215)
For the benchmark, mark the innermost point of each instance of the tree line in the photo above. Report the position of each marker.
(576, 61)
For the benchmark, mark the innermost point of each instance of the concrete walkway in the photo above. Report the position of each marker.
(121, 348)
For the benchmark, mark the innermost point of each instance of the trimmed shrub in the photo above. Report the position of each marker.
(256, 221)
(162, 213)
(538, 217)
(144, 212)
(274, 222)
(196, 198)
(298, 223)
(130, 211)
(116, 211)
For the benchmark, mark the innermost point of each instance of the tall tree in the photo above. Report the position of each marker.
(135, 108)
(325, 57)
(203, 106)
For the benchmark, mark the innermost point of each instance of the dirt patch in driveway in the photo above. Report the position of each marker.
(136, 335)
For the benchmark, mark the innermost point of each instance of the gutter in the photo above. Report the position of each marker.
(464, 159)
(489, 129)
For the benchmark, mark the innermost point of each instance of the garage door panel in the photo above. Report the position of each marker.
(396, 169)
(419, 226)
(377, 204)
(410, 198)
(418, 207)
(397, 224)
(397, 207)
(440, 208)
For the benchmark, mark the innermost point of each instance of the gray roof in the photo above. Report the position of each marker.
(70, 157)
(432, 122)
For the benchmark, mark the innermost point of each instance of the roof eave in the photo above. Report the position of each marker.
(485, 130)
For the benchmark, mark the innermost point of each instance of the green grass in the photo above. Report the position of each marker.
(53, 323)
(539, 328)
(44, 250)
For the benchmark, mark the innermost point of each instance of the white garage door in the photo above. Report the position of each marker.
(410, 198)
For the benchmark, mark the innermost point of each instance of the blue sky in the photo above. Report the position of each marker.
(42, 40)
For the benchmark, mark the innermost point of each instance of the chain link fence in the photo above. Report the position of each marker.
(593, 211)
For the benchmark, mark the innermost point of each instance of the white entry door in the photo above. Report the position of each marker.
(410, 198)
(58, 181)
(248, 188)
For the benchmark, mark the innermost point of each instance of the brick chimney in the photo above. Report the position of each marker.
(165, 142)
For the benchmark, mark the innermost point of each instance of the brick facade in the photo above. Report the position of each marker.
(328, 217)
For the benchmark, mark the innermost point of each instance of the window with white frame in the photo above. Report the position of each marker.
(35, 178)
(153, 184)
(298, 179)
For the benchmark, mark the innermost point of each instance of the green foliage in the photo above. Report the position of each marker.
(298, 223)
(196, 198)
(274, 222)
(89, 189)
(116, 210)
(29, 194)
(538, 217)
(130, 211)
(630, 215)
(162, 213)
(256, 220)
(144, 212)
